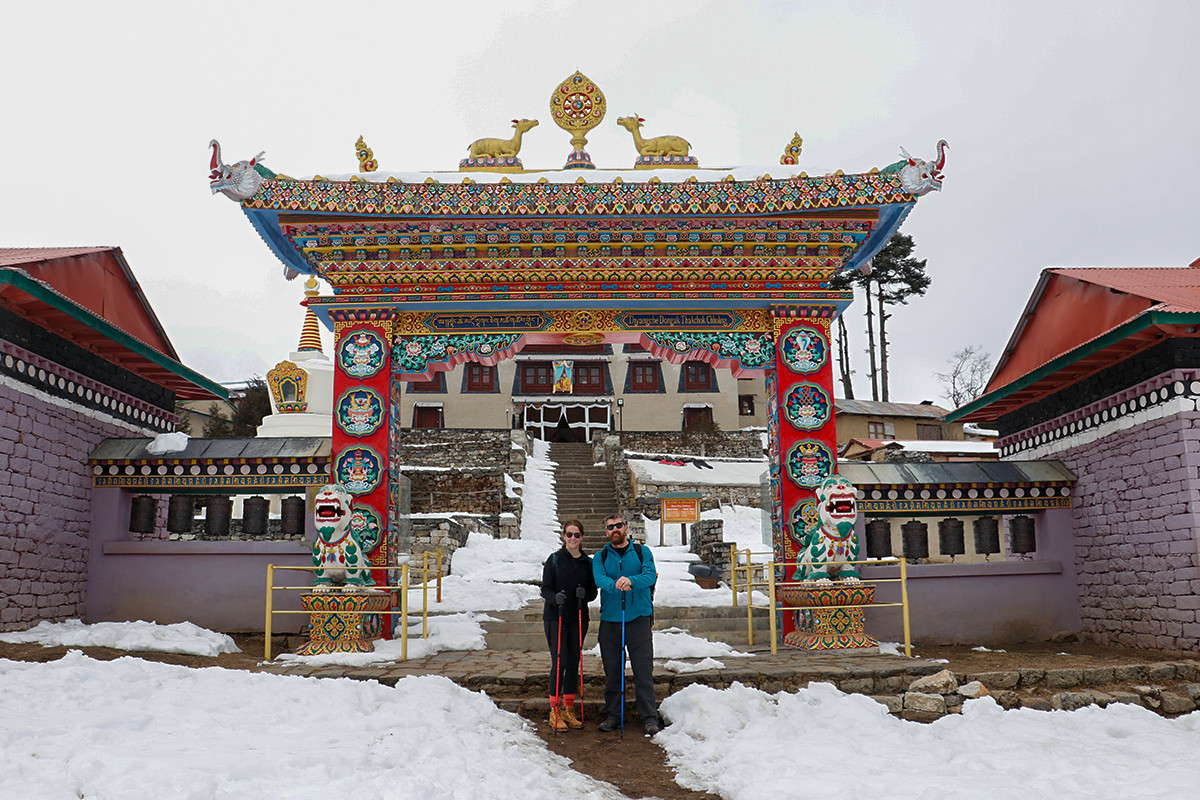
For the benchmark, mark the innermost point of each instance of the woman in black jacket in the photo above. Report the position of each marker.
(568, 585)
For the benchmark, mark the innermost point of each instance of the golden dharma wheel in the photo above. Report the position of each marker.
(577, 106)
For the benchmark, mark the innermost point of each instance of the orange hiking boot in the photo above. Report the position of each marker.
(558, 720)
(568, 716)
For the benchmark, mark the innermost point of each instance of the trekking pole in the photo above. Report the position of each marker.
(554, 718)
(622, 665)
(579, 595)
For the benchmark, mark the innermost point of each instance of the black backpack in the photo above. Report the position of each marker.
(637, 548)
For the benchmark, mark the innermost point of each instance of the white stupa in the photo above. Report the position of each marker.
(302, 387)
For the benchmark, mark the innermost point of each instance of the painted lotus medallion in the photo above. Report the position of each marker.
(807, 406)
(359, 412)
(803, 350)
(360, 355)
(809, 463)
(359, 469)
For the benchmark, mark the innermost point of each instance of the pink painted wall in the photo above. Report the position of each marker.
(990, 603)
(216, 585)
(45, 489)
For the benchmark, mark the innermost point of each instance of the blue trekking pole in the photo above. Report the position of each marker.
(622, 665)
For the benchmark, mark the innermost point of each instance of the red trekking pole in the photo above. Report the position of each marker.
(581, 713)
(555, 718)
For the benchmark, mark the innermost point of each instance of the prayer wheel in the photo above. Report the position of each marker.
(292, 516)
(879, 538)
(217, 516)
(987, 536)
(950, 537)
(181, 510)
(254, 516)
(916, 539)
(1022, 539)
(143, 513)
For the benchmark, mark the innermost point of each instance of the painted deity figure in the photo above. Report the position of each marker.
(833, 539)
(338, 553)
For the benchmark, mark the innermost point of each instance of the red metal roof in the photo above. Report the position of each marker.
(88, 296)
(1081, 320)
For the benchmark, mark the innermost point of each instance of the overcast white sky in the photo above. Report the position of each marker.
(1072, 127)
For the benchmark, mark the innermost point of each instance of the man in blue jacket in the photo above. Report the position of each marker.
(625, 574)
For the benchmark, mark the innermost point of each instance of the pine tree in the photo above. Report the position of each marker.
(251, 408)
(217, 425)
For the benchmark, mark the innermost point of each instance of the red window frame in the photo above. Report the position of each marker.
(644, 377)
(697, 377)
(481, 378)
(589, 379)
(537, 377)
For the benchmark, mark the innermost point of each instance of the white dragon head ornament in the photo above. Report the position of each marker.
(236, 181)
(921, 177)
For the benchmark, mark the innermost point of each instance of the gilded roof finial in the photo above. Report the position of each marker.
(791, 154)
(310, 334)
(366, 158)
(577, 106)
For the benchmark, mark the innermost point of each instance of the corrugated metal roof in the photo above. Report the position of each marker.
(13, 256)
(1178, 286)
(872, 408)
(866, 473)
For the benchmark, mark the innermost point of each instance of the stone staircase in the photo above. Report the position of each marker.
(522, 629)
(585, 491)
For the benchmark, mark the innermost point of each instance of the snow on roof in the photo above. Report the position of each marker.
(929, 445)
(714, 175)
(722, 473)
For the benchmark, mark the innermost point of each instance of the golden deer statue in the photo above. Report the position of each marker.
(658, 146)
(503, 148)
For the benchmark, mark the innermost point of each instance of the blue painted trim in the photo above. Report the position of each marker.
(267, 225)
(891, 217)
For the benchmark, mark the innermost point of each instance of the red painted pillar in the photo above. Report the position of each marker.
(362, 371)
(804, 420)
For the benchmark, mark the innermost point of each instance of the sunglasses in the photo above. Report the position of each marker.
(612, 526)
(573, 535)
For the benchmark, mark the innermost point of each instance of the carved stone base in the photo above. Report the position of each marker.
(331, 630)
(821, 627)
(490, 165)
(667, 162)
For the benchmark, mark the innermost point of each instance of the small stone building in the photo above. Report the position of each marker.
(1103, 374)
(82, 358)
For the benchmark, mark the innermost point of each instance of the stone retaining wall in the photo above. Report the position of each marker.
(462, 470)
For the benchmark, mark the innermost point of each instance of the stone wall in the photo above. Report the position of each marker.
(45, 503)
(464, 471)
(722, 444)
(707, 540)
(1137, 516)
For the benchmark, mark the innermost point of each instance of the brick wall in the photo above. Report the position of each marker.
(1137, 525)
(45, 499)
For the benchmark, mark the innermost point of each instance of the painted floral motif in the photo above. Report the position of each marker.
(750, 350)
(359, 470)
(359, 412)
(803, 518)
(365, 525)
(418, 353)
(807, 406)
(360, 354)
(804, 350)
(809, 463)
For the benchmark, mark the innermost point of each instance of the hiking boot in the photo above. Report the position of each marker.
(568, 716)
(609, 724)
(651, 727)
(557, 720)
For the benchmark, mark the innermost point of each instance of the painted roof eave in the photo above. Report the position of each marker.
(1141, 322)
(24, 282)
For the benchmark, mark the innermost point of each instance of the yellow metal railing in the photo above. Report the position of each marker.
(769, 586)
(403, 589)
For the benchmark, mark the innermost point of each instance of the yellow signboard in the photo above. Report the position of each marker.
(681, 509)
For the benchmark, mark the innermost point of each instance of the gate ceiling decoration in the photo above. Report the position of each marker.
(731, 267)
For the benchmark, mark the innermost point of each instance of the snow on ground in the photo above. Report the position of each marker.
(182, 637)
(134, 729)
(744, 744)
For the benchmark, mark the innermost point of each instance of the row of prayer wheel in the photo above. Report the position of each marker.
(218, 517)
(915, 537)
